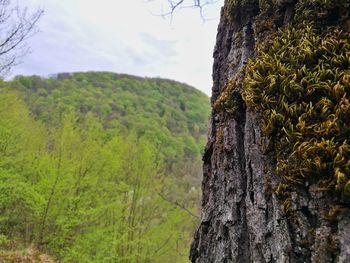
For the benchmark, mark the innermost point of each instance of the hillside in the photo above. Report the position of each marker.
(99, 167)
(155, 108)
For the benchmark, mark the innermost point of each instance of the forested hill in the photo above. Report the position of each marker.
(173, 115)
(100, 167)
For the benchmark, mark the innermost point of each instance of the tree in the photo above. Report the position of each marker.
(266, 196)
(16, 26)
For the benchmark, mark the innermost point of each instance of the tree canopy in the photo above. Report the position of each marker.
(100, 167)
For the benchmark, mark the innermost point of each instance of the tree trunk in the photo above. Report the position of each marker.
(242, 219)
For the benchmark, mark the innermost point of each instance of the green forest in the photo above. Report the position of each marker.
(100, 167)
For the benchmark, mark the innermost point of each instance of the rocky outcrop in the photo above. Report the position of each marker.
(242, 218)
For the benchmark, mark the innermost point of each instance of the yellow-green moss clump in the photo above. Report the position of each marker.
(323, 11)
(300, 82)
(271, 12)
(226, 101)
(231, 6)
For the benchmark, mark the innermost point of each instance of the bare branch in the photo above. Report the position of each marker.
(174, 5)
(16, 26)
(176, 203)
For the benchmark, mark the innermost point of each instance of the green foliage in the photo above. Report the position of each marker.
(166, 112)
(300, 82)
(98, 167)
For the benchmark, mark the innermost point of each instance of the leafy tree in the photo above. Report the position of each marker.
(100, 167)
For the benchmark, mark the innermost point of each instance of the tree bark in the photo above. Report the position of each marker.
(242, 219)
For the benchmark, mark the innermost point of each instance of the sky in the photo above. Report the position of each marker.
(123, 36)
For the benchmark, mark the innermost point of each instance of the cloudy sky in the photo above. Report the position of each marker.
(124, 36)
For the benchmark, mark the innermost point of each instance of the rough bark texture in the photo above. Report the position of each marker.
(242, 219)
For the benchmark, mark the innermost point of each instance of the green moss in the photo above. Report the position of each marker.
(300, 83)
(270, 13)
(231, 7)
(219, 139)
(323, 11)
(283, 193)
(231, 3)
(225, 101)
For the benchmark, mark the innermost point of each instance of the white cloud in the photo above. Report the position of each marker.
(122, 36)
